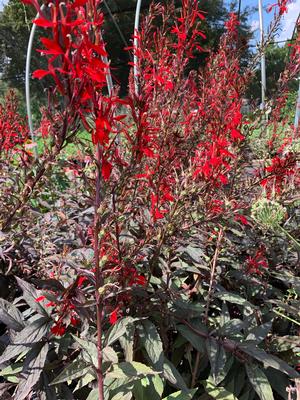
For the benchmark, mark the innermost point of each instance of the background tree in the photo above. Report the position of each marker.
(276, 58)
(16, 21)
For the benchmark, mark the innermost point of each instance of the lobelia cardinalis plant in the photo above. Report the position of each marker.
(171, 185)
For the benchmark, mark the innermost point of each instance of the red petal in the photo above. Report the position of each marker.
(106, 169)
(40, 73)
(113, 318)
(41, 298)
(43, 22)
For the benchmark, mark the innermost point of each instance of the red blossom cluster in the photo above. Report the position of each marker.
(279, 172)
(258, 263)
(282, 5)
(13, 130)
(63, 306)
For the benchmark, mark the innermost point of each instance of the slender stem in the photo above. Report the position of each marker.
(98, 273)
(286, 317)
(210, 290)
(195, 369)
(212, 273)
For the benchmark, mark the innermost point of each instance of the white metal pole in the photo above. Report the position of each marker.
(27, 83)
(135, 45)
(263, 58)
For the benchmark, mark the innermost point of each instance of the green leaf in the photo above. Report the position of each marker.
(127, 341)
(122, 396)
(279, 344)
(130, 369)
(11, 316)
(181, 395)
(278, 381)
(259, 382)
(230, 328)
(152, 343)
(84, 381)
(12, 369)
(93, 395)
(259, 332)
(218, 392)
(109, 355)
(149, 388)
(119, 329)
(32, 369)
(173, 376)
(234, 299)
(217, 358)
(90, 348)
(30, 294)
(196, 341)
(24, 340)
(267, 359)
(11, 372)
(76, 369)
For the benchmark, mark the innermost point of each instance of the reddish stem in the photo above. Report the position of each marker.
(98, 273)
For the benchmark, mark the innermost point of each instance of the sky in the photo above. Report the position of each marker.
(288, 21)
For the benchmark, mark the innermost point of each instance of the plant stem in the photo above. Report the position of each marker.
(195, 369)
(212, 273)
(98, 273)
(210, 290)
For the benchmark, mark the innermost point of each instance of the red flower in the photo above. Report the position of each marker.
(41, 298)
(241, 218)
(58, 329)
(258, 263)
(113, 318)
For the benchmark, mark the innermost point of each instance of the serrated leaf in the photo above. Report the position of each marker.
(152, 343)
(234, 299)
(30, 294)
(24, 340)
(149, 388)
(118, 329)
(109, 355)
(196, 341)
(278, 381)
(123, 396)
(127, 341)
(11, 316)
(93, 395)
(259, 332)
(267, 359)
(217, 358)
(181, 395)
(279, 344)
(76, 369)
(230, 328)
(260, 382)
(130, 369)
(90, 348)
(84, 381)
(11, 370)
(218, 392)
(173, 376)
(32, 369)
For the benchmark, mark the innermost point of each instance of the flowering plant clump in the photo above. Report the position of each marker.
(13, 128)
(135, 235)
